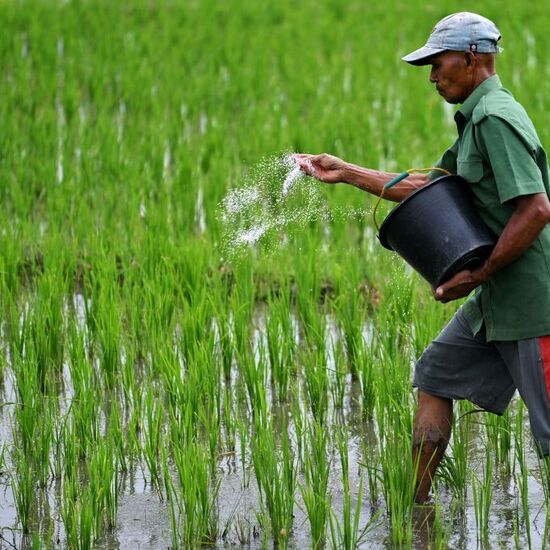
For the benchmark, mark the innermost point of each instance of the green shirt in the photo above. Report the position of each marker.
(499, 153)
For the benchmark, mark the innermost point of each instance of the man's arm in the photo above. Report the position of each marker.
(530, 216)
(331, 169)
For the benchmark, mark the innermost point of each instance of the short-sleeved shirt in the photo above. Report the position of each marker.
(499, 153)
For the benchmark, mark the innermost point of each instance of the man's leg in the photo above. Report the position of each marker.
(431, 434)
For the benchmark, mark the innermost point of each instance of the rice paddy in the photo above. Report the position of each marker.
(156, 391)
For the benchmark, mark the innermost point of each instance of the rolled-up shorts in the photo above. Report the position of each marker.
(461, 365)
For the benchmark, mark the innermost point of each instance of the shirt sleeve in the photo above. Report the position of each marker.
(513, 165)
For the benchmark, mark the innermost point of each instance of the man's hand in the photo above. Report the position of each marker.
(327, 168)
(460, 285)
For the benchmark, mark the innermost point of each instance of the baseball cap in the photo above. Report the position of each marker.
(459, 32)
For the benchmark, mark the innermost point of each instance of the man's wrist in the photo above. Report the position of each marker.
(483, 273)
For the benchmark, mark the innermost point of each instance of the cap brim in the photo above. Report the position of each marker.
(422, 56)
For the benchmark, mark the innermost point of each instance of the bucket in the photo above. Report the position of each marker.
(438, 231)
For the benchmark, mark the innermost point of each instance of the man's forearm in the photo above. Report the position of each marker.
(531, 215)
(373, 181)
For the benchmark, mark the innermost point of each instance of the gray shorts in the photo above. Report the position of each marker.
(461, 365)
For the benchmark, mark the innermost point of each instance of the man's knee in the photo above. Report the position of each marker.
(430, 435)
(433, 420)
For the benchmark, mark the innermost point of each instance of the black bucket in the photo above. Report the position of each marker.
(438, 231)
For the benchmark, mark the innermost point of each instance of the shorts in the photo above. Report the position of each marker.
(461, 365)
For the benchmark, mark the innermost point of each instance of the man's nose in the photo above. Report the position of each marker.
(433, 76)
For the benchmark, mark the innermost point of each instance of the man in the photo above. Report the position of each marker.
(499, 340)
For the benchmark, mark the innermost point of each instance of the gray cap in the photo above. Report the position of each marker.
(459, 32)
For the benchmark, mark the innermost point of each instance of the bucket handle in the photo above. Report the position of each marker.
(396, 180)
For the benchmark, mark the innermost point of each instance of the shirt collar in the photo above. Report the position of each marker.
(488, 85)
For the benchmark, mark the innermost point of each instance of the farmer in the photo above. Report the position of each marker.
(499, 340)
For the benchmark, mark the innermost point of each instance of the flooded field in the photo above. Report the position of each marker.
(157, 391)
(273, 461)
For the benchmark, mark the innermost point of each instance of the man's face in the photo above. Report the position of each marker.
(452, 74)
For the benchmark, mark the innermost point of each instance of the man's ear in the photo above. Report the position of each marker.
(470, 58)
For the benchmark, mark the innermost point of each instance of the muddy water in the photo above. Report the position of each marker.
(143, 519)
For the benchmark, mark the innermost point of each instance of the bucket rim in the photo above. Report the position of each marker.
(382, 237)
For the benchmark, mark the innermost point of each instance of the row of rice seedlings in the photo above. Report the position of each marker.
(544, 473)
(482, 495)
(276, 479)
(499, 436)
(192, 497)
(522, 477)
(398, 476)
(346, 533)
(153, 438)
(314, 489)
(455, 466)
(368, 373)
(338, 373)
(281, 343)
(316, 383)
(90, 490)
(350, 313)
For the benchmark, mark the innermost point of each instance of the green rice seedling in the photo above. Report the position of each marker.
(223, 323)
(482, 495)
(229, 422)
(85, 422)
(393, 318)
(197, 493)
(133, 430)
(29, 405)
(281, 344)
(69, 513)
(23, 486)
(69, 460)
(77, 514)
(338, 378)
(210, 422)
(314, 490)
(307, 295)
(316, 383)
(128, 370)
(516, 525)
(117, 437)
(522, 480)
(243, 430)
(454, 467)
(108, 334)
(373, 468)
(103, 474)
(46, 325)
(350, 315)
(345, 533)
(398, 471)
(153, 437)
(299, 420)
(499, 435)
(242, 307)
(544, 473)
(254, 373)
(367, 375)
(276, 479)
(174, 504)
(439, 534)
(44, 442)
(196, 328)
